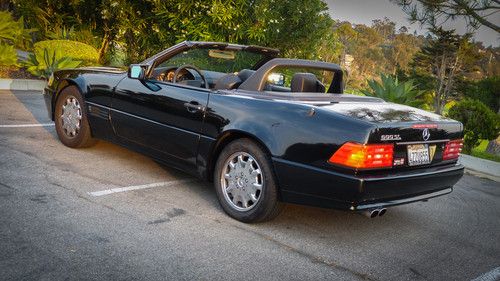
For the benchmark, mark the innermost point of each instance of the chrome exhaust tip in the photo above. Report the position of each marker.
(371, 213)
(382, 212)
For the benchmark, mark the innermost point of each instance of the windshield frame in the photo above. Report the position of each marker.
(154, 61)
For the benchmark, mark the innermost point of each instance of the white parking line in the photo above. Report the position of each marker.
(136, 187)
(27, 125)
(493, 275)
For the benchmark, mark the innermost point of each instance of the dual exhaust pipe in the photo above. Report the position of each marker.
(374, 213)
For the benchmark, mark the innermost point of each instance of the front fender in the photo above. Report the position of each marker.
(95, 85)
(62, 80)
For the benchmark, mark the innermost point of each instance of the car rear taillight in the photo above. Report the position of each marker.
(363, 156)
(452, 149)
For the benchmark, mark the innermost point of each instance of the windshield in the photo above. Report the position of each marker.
(216, 60)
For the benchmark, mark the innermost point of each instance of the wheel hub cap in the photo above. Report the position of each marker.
(241, 181)
(71, 116)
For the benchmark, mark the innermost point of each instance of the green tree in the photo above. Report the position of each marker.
(432, 12)
(296, 27)
(386, 28)
(367, 51)
(485, 90)
(367, 54)
(13, 33)
(346, 36)
(479, 122)
(138, 29)
(402, 51)
(445, 57)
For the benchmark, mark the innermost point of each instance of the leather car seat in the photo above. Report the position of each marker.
(306, 83)
(232, 81)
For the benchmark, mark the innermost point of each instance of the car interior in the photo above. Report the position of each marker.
(213, 69)
(302, 82)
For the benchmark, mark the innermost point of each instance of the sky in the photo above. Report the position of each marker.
(364, 11)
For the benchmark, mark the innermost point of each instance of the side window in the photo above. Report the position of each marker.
(289, 79)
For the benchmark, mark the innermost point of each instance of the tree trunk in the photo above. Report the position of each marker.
(104, 47)
(449, 83)
(441, 77)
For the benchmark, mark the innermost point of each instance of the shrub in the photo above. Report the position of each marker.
(479, 122)
(82, 34)
(8, 55)
(12, 32)
(87, 54)
(485, 90)
(44, 65)
(390, 89)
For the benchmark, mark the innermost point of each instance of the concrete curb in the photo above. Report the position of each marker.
(22, 84)
(481, 167)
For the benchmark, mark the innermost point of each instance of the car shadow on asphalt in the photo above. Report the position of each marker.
(31, 101)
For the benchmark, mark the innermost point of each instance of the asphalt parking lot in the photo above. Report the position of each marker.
(106, 213)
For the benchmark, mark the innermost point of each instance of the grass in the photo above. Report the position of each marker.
(480, 151)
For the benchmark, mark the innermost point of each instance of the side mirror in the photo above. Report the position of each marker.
(137, 71)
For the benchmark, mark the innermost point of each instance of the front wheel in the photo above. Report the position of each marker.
(71, 121)
(245, 182)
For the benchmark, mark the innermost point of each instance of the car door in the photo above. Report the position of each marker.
(165, 119)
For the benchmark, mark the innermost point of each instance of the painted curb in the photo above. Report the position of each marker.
(22, 84)
(490, 169)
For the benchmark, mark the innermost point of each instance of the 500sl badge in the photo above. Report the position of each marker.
(390, 137)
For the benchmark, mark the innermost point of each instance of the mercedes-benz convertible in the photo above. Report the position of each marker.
(266, 130)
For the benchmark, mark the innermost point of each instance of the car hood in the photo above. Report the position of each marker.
(102, 69)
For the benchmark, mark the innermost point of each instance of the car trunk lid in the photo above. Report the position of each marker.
(420, 138)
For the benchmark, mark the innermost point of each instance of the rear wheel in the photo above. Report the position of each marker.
(71, 119)
(245, 182)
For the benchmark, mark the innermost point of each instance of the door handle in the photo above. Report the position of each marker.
(193, 106)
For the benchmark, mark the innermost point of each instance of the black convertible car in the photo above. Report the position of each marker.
(265, 130)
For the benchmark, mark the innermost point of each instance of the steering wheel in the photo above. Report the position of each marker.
(188, 66)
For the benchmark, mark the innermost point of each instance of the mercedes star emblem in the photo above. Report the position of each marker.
(426, 134)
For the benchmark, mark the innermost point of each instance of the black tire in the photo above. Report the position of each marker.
(82, 136)
(268, 205)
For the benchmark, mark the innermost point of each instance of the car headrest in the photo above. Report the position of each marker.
(228, 82)
(306, 82)
(245, 73)
(320, 87)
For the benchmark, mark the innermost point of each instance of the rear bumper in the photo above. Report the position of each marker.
(308, 185)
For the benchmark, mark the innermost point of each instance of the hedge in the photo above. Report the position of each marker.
(479, 122)
(72, 49)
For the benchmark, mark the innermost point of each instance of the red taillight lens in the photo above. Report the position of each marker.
(452, 149)
(363, 156)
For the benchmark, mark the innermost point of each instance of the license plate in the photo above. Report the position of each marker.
(418, 154)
